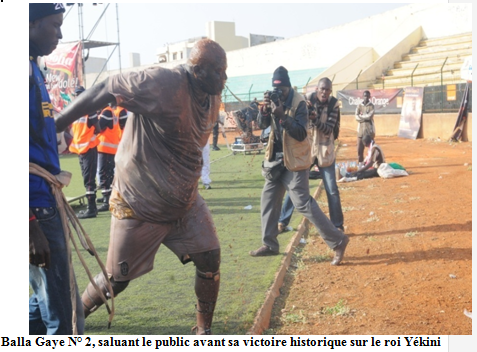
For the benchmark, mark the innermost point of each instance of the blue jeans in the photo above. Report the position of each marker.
(50, 304)
(287, 211)
(332, 193)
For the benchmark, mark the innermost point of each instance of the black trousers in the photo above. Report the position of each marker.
(89, 163)
(360, 149)
(106, 171)
(215, 134)
(370, 173)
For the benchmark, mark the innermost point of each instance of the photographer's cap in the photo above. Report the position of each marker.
(280, 77)
(38, 11)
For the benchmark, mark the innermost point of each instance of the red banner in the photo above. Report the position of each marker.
(64, 73)
(411, 112)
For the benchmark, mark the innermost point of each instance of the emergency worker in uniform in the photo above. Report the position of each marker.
(84, 143)
(112, 121)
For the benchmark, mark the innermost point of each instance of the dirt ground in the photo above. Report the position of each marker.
(408, 266)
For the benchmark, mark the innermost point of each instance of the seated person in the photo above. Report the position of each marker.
(245, 119)
(374, 158)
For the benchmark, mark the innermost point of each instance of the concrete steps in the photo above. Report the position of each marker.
(454, 57)
(422, 69)
(441, 48)
(446, 40)
(431, 56)
(419, 80)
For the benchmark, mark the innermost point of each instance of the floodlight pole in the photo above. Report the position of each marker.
(442, 86)
(119, 45)
(412, 75)
(81, 35)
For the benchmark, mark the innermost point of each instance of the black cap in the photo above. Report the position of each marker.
(280, 77)
(38, 11)
(79, 90)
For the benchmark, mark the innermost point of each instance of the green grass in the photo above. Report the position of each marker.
(294, 318)
(320, 258)
(163, 301)
(372, 218)
(339, 309)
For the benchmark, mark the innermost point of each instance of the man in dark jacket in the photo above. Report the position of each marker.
(286, 111)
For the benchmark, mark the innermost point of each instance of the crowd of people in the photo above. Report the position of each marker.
(173, 113)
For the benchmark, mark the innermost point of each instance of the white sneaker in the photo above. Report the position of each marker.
(348, 179)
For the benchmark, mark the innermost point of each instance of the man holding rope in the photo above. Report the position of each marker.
(155, 197)
(50, 306)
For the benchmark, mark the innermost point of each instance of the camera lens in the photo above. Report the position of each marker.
(274, 97)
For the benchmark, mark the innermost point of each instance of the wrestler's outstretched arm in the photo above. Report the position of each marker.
(90, 101)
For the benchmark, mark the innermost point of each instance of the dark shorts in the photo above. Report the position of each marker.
(134, 243)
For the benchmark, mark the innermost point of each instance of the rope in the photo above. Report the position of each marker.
(236, 97)
(68, 215)
(223, 157)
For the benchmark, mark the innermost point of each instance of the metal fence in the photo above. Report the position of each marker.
(436, 99)
(236, 100)
(446, 98)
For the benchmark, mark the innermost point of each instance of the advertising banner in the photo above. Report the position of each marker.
(411, 113)
(386, 101)
(461, 116)
(64, 73)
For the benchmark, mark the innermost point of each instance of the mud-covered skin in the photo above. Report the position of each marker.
(159, 161)
(158, 166)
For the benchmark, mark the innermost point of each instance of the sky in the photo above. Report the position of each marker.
(143, 28)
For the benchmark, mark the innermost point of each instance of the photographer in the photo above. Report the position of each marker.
(323, 112)
(286, 111)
